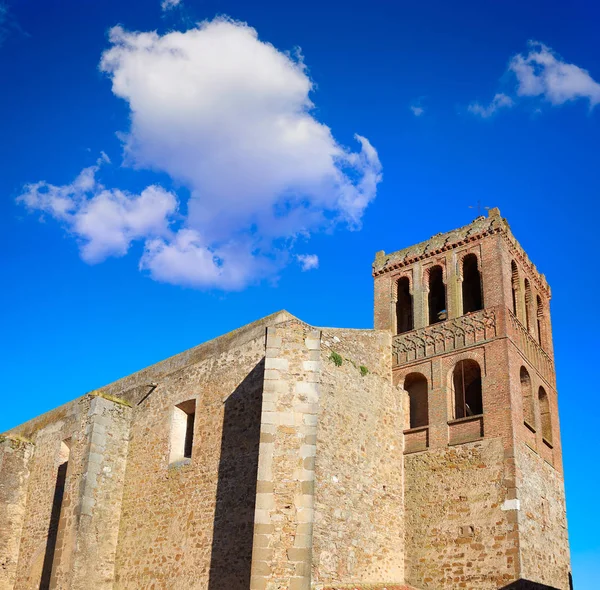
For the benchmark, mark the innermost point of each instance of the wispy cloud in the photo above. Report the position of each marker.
(498, 102)
(170, 4)
(105, 221)
(308, 261)
(228, 117)
(417, 110)
(542, 73)
(8, 23)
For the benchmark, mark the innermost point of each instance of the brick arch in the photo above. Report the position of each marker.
(461, 257)
(437, 296)
(427, 270)
(416, 386)
(465, 387)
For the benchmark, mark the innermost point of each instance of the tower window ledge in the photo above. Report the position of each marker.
(547, 443)
(530, 426)
(465, 419)
(415, 429)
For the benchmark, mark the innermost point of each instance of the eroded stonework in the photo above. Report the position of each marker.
(424, 454)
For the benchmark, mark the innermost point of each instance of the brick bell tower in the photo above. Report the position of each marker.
(473, 358)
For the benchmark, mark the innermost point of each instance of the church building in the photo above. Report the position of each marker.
(422, 454)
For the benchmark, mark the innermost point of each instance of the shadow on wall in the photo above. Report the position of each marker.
(525, 585)
(59, 491)
(236, 487)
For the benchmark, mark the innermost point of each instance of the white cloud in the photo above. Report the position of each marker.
(417, 110)
(542, 73)
(105, 221)
(498, 102)
(308, 261)
(228, 117)
(169, 4)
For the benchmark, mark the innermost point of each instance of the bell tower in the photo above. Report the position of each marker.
(473, 359)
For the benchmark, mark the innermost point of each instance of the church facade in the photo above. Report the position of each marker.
(424, 453)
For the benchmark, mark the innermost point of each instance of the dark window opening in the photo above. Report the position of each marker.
(527, 305)
(415, 385)
(182, 431)
(526, 394)
(514, 285)
(468, 400)
(545, 418)
(404, 306)
(437, 295)
(189, 436)
(540, 319)
(471, 285)
(53, 525)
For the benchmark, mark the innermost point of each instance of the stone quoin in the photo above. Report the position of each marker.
(422, 454)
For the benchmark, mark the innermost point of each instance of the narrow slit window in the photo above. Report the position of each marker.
(527, 395)
(514, 283)
(404, 306)
(468, 400)
(471, 284)
(527, 305)
(540, 321)
(55, 514)
(545, 418)
(182, 431)
(415, 386)
(437, 295)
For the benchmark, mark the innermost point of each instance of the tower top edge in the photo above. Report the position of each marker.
(479, 228)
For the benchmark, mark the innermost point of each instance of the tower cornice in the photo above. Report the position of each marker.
(479, 228)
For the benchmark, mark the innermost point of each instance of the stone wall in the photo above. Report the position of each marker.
(15, 454)
(52, 496)
(101, 492)
(285, 488)
(359, 510)
(542, 520)
(460, 531)
(189, 524)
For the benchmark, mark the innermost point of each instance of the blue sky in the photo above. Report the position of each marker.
(136, 224)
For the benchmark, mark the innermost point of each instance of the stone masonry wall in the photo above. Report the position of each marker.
(14, 476)
(189, 524)
(359, 510)
(285, 488)
(542, 520)
(42, 560)
(101, 492)
(460, 531)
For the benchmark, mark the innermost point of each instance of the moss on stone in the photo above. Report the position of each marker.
(336, 358)
(110, 398)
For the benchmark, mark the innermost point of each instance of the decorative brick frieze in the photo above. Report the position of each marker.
(531, 349)
(468, 330)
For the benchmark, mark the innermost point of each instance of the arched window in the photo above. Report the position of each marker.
(545, 419)
(514, 282)
(540, 319)
(415, 385)
(527, 305)
(471, 284)
(437, 295)
(466, 380)
(404, 306)
(527, 395)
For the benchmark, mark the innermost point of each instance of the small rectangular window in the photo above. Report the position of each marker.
(182, 431)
